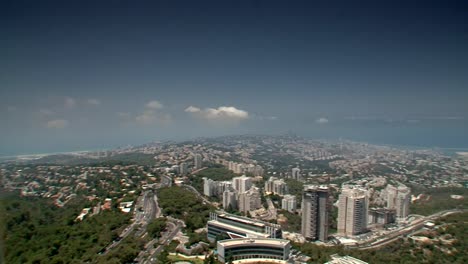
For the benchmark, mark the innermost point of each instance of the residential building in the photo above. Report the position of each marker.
(250, 200)
(183, 168)
(230, 199)
(209, 187)
(197, 161)
(381, 216)
(289, 203)
(399, 198)
(353, 207)
(296, 174)
(242, 183)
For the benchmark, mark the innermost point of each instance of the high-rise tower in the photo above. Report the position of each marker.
(315, 211)
(353, 207)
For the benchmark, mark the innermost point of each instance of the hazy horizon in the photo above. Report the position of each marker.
(89, 75)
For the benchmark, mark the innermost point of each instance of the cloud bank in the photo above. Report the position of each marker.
(225, 113)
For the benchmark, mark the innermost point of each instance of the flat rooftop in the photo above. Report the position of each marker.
(240, 229)
(255, 241)
(243, 220)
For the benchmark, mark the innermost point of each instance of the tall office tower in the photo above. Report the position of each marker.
(230, 198)
(296, 174)
(402, 203)
(197, 161)
(183, 168)
(399, 198)
(250, 200)
(315, 210)
(392, 192)
(208, 187)
(289, 203)
(242, 183)
(353, 208)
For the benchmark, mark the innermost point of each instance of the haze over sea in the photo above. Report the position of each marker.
(448, 136)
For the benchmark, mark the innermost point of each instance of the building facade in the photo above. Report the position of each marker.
(250, 200)
(353, 207)
(197, 161)
(226, 226)
(242, 183)
(399, 199)
(230, 199)
(252, 250)
(315, 211)
(289, 203)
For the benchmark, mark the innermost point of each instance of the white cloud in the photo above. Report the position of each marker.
(220, 113)
(154, 104)
(69, 102)
(93, 101)
(322, 120)
(57, 123)
(149, 117)
(192, 109)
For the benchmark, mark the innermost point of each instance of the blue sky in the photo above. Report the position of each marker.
(94, 75)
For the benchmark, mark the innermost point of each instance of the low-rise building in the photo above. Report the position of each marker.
(253, 250)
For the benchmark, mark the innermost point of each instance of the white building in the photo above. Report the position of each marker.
(242, 183)
(296, 174)
(183, 168)
(209, 187)
(197, 161)
(353, 209)
(230, 199)
(250, 200)
(399, 198)
(289, 203)
(276, 186)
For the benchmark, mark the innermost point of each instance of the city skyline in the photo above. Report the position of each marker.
(79, 76)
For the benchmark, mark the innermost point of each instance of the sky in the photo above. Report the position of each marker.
(80, 75)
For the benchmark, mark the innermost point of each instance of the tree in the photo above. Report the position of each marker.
(162, 257)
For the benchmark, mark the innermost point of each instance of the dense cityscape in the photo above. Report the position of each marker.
(240, 198)
(233, 132)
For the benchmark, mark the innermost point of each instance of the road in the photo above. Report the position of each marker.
(148, 201)
(175, 226)
(271, 209)
(417, 225)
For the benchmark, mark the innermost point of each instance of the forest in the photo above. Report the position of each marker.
(36, 231)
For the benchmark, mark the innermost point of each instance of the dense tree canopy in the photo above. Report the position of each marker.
(36, 231)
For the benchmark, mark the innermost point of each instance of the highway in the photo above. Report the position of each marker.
(404, 231)
(174, 227)
(150, 209)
